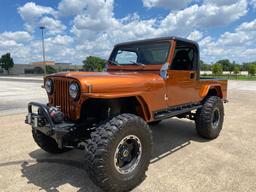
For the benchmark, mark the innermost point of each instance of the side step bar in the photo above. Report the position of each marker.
(174, 111)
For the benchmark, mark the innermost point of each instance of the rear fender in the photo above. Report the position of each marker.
(213, 89)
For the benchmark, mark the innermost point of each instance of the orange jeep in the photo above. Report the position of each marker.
(107, 113)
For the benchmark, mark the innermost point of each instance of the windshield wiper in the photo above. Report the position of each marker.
(136, 63)
(113, 62)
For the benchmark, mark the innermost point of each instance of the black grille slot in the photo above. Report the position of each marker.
(61, 96)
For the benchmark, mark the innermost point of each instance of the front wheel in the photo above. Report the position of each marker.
(119, 152)
(209, 119)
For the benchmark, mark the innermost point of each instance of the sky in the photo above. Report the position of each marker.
(76, 29)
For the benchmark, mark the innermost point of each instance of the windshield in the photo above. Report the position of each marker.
(142, 54)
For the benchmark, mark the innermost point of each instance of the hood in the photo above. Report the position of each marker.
(102, 82)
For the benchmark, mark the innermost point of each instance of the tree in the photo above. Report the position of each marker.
(93, 63)
(6, 62)
(204, 66)
(236, 70)
(217, 69)
(201, 64)
(226, 64)
(245, 66)
(252, 69)
(232, 67)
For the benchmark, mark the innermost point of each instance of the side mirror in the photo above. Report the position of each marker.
(163, 71)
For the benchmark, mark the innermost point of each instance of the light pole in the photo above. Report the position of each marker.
(42, 28)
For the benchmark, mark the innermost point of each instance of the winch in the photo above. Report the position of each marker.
(56, 115)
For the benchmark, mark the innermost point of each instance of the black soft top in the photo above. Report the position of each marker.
(160, 39)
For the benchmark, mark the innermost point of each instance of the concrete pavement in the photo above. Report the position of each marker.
(182, 161)
(36, 79)
(15, 95)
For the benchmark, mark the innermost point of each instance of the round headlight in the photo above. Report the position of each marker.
(49, 86)
(74, 90)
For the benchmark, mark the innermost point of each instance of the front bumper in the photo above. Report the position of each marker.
(42, 121)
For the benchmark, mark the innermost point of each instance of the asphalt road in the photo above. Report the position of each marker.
(182, 161)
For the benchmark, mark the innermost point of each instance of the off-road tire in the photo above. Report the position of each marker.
(47, 143)
(102, 146)
(205, 115)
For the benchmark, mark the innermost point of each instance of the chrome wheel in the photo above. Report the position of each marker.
(128, 154)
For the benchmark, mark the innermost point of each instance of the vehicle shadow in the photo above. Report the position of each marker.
(52, 172)
(172, 135)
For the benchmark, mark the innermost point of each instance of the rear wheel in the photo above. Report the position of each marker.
(47, 143)
(119, 152)
(209, 119)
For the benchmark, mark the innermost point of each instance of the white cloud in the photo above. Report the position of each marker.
(12, 42)
(221, 2)
(25, 49)
(71, 7)
(100, 43)
(248, 26)
(238, 45)
(59, 49)
(94, 29)
(253, 3)
(62, 40)
(30, 12)
(183, 23)
(8, 44)
(52, 25)
(245, 34)
(195, 35)
(168, 4)
(16, 36)
(249, 53)
(97, 16)
(204, 16)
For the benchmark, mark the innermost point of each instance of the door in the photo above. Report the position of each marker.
(181, 81)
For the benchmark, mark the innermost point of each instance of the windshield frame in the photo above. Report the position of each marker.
(116, 48)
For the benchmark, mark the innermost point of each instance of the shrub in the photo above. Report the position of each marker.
(38, 70)
(50, 69)
(29, 71)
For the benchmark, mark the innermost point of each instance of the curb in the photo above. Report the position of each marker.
(24, 79)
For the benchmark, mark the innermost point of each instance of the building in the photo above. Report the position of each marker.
(64, 64)
(43, 63)
(22, 69)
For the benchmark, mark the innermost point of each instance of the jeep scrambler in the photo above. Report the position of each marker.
(107, 113)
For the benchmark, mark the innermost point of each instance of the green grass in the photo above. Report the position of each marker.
(233, 77)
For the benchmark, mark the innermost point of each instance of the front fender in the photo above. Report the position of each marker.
(137, 95)
(112, 95)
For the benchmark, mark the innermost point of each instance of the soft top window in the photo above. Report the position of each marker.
(184, 57)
